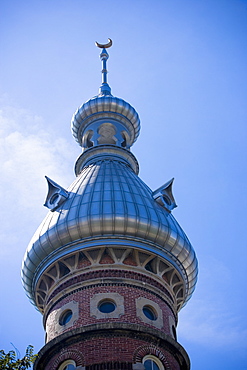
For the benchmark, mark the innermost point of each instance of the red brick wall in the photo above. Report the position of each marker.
(106, 347)
(99, 350)
(130, 294)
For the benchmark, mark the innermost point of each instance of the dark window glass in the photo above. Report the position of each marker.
(151, 365)
(65, 318)
(106, 306)
(149, 313)
(174, 332)
(69, 367)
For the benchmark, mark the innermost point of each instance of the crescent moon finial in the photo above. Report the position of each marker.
(104, 46)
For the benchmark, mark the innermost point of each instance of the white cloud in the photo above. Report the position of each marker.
(212, 325)
(29, 150)
(207, 319)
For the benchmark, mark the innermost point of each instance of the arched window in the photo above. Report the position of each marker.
(152, 363)
(67, 365)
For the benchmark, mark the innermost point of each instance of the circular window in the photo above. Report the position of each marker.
(106, 306)
(65, 317)
(54, 198)
(150, 313)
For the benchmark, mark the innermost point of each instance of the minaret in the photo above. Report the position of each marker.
(109, 268)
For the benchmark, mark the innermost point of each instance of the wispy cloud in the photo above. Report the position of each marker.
(207, 319)
(29, 150)
(209, 325)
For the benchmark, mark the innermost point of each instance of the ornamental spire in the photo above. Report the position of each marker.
(104, 88)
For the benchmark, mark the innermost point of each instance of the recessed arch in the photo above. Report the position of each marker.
(144, 351)
(68, 355)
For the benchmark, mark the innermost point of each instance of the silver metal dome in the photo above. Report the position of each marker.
(108, 203)
(108, 107)
(105, 109)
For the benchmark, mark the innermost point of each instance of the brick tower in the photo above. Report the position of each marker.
(109, 267)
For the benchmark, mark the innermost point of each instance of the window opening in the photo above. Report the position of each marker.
(151, 362)
(106, 306)
(68, 365)
(65, 317)
(151, 365)
(54, 198)
(150, 313)
(174, 332)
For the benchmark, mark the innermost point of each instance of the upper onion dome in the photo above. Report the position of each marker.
(105, 113)
(102, 108)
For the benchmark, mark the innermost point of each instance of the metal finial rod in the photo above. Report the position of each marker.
(105, 88)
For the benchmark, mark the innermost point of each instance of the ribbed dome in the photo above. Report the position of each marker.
(108, 107)
(108, 200)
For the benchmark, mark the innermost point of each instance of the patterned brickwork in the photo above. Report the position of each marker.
(129, 294)
(98, 351)
(106, 259)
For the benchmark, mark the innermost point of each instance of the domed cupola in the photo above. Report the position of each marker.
(105, 120)
(109, 210)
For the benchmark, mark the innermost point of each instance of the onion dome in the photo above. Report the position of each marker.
(109, 205)
(105, 113)
(105, 108)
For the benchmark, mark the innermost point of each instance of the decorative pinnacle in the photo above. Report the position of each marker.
(104, 46)
(104, 88)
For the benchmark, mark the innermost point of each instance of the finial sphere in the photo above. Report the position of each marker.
(104, 46)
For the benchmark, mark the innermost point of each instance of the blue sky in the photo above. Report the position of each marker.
(182, 65)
